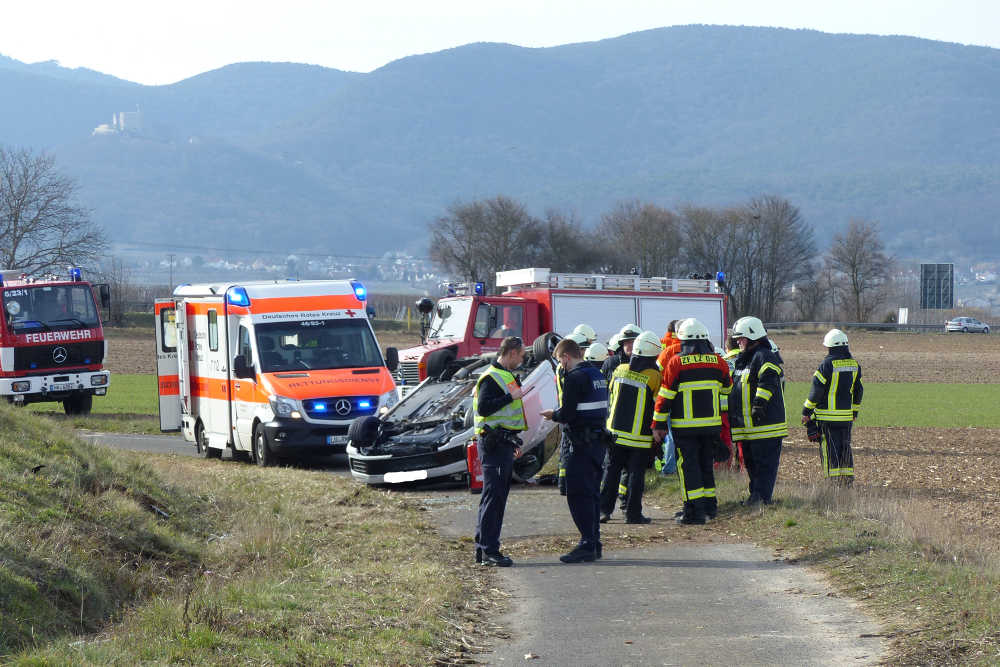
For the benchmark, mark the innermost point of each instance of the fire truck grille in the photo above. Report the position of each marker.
(408, 373)
(408, 463)
(58, 357)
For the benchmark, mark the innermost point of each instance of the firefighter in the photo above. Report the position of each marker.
(596, 354)
(626, 337)
(581, 340)
(694, 382)
(833, 402)
(633, 392)
(671, 346)
(757, 408)
(582, 412)
(498, 419)
(587, 332)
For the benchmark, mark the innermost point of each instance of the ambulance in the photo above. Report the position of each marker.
(270, 369)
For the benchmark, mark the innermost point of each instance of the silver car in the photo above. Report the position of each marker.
(966, 325)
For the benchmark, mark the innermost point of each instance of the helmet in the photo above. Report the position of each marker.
(577, 338)
(630, 331)
(692, 329)
(835, 338)
(597, 351)
(647, 344)
(750, 328)
(615, 343)
(587, 331)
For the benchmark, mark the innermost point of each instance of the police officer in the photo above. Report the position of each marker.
(757, 407)
(580, 338)
(633, 392)
(694, 381)
(498, 419)
(582, 412)
(834, 401)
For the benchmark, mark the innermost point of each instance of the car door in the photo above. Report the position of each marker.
(244, 403)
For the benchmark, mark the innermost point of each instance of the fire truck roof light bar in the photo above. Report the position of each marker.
(465, 289)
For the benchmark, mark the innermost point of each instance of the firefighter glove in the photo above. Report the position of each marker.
(855, 415)
(812, 430)
(758, 411)
(657, 450)
(720, 453)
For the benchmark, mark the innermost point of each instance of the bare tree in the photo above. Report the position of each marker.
(125, 293)
(566, 246)
(642, 236)
(478, 239)
(859, 255)
(41, 226)
(807, 299)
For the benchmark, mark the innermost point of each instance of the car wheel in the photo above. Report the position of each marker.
(965, 329)
(986, 330)
(544, 345)
(363, 432)
(262, 454)
(437, 362)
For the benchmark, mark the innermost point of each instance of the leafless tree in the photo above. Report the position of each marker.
(642, 236)
(477, 239)
(566, 246)
(808, 297)
(125, 293)
(41, 225)
(859, 255)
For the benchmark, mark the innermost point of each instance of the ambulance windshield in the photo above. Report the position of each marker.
(316, 345)
(451, 318)
(50, 308)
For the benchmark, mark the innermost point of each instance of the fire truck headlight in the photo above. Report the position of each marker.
(386, 401)
(285, 407)
(23, 385)
(98, 380)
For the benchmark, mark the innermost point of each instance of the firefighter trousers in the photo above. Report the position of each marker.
(695, 468)
(761, 458)
(835, 450)
(634, 460)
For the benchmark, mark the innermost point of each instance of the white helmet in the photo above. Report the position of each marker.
(692, 329)
(615, 343)
(587, 331)
(835, 338)
(750, 328)
(597, 351)
(630, 331)
(577, 338)
(647, 344)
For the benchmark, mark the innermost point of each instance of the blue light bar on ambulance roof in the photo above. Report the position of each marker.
(237, 296)
(359, 290)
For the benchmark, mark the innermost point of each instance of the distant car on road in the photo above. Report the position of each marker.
(966, 325)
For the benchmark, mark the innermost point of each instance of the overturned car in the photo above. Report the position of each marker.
(424, 436)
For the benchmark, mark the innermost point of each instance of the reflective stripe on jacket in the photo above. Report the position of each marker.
(632, 397)
(510, 416)
(757, 380)
(836, 390)
(693, 390)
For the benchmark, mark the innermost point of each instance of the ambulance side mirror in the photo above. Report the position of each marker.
(241, 369)
(391, 359)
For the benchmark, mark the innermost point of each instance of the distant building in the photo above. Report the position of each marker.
(121, 122)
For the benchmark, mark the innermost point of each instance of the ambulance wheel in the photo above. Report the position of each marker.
(201, 443)
(544, 345)
(262, 454)
(78, 405)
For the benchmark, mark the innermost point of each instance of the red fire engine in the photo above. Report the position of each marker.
(52, 343)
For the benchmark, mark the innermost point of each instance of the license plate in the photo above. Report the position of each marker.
(336, 439)
(60, 386)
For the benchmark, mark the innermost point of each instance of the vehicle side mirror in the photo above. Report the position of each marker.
(241, 369)
(370, 311)
(391, 359)
(104, 292)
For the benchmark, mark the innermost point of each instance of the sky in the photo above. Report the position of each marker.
(163, 42)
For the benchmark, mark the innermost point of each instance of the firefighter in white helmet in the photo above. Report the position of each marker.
(632, 395)
(596, 354)
(588, 333)
(757, 407)
(833, 403)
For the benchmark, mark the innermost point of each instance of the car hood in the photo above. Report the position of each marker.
(331, 382)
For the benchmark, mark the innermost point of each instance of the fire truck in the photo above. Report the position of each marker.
(52, 344)
(535, 301)
(269, 369)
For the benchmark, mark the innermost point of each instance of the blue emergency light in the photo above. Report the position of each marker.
(319, 407)
(479, 289)
(359, 290)
(237, 296)
(720, 277)
(364, 404)
(75, 274)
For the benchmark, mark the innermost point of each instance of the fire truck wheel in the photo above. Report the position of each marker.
(544, 345)
(262, 454)
(201, 443)
(78, 405)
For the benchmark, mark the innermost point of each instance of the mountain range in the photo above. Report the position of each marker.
(292, 157)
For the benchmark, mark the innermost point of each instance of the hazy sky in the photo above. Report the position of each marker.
(163, 42)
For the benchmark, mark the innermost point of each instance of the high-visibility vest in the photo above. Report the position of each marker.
(632, 396)
(510, 416)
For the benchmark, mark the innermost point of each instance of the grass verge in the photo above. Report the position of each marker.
(131, 406)
(117, 558)
(938, 602)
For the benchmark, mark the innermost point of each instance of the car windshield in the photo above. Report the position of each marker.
(451, 318)
(50, 308)
(316, 345)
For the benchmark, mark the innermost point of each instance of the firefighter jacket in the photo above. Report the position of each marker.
(757, 383)
(612, 363)
(633, 393)
(584, 400)
(695, 385)
(494, 405)
(836, 388)
(671, 346)
(560, 380)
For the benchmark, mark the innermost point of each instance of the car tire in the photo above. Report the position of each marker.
(544, 345)
(986, 330)
(363, 432)
(965, 329)
(262, 454)
(438, 361)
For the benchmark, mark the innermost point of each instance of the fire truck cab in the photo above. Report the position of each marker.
(270, 369)
(52, 344)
